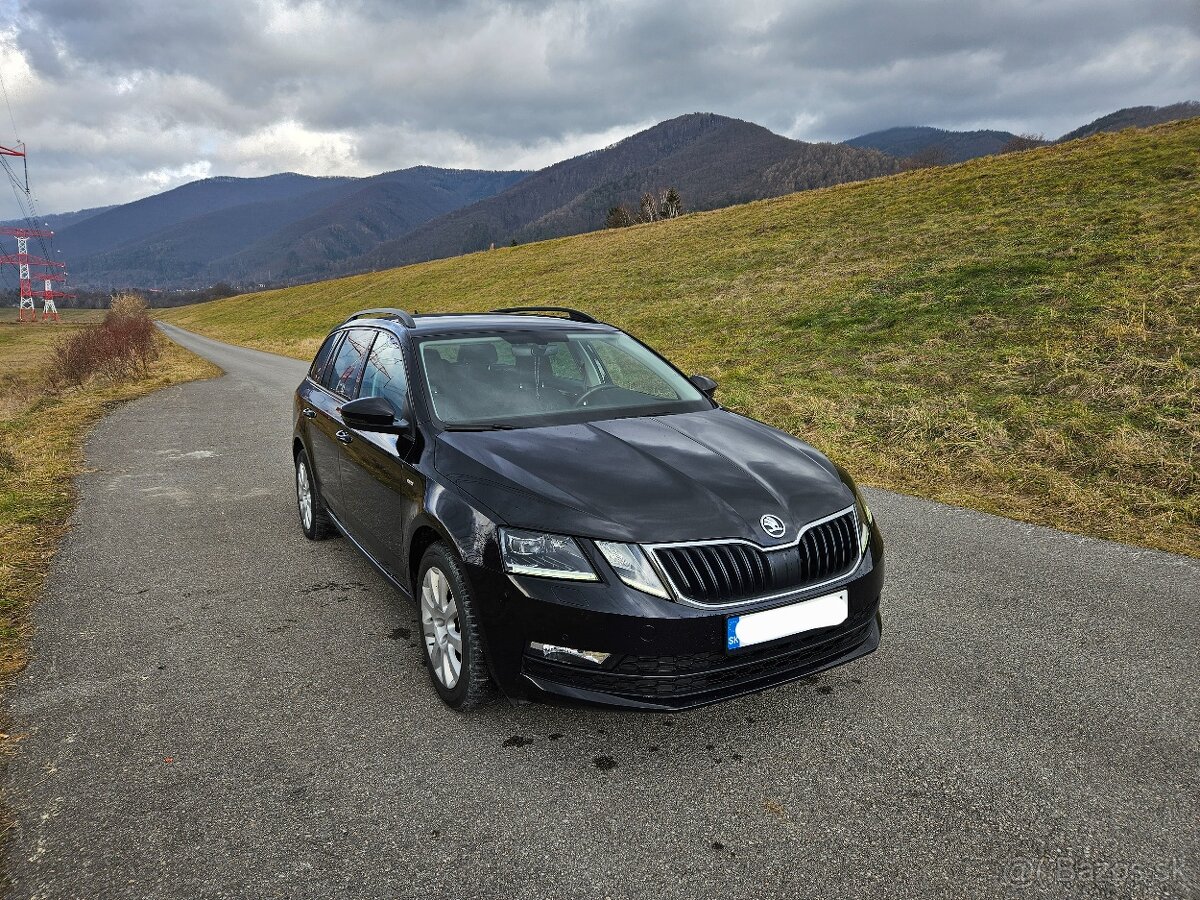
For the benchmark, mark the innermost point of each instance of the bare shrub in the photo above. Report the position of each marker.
(648, 208)
(122, 346)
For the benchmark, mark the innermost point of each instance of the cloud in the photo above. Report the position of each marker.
(123, 98)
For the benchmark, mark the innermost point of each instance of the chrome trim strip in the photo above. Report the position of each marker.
(679, 597)
(796, 542)
(535, 572)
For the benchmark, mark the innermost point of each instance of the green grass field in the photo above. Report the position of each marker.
(1019, 334)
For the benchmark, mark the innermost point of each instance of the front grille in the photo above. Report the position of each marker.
(730, 572)
(696, 678)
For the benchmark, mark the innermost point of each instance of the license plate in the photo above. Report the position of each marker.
(784, 621)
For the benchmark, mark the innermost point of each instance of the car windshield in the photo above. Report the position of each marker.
(522, 379)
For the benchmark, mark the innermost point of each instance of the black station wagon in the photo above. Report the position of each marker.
(575, 518)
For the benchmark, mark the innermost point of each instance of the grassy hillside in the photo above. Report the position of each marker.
(1020, 334)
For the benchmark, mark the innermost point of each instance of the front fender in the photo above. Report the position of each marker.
(472, 532)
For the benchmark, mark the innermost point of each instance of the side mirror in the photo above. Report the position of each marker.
(376, 414)
(704, 385)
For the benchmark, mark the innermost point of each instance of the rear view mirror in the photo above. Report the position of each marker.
(375, 414)
(704, 385)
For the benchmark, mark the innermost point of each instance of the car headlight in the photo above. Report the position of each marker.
(632, 567)
(547, 555)
(865, 519)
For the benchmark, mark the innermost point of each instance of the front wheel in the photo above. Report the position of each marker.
(453, 649)
(313, 518)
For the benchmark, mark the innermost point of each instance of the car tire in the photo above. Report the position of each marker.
(446, 610)
(314, 520)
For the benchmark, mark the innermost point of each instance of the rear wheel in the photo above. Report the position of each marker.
(313, 518)
(453, 649)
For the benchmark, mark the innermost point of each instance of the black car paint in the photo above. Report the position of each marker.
(636, 479)
(642, 479)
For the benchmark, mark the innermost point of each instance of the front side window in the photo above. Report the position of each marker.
(384, 374)
(631, 372)
(343, 373)
(521, 379)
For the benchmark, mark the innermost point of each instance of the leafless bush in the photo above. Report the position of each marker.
(648, 208)
(665, 204)
(122, 346)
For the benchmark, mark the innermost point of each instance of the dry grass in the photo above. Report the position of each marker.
(42, 430)
(1019, 334)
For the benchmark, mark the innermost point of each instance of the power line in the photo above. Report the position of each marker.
(29, 208)
(24, 261)
(11, 117)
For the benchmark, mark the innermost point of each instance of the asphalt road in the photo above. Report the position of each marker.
(217, 708)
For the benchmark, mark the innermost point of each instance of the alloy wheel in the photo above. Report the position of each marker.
(304, 495)
(440, 625)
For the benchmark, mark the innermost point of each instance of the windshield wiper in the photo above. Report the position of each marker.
(493, 426)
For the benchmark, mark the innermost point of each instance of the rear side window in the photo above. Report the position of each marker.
(343, 373)
(322, 358)
(384, 375)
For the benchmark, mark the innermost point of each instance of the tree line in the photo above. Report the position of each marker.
(666, 204)
(93, 299)
(937, 155)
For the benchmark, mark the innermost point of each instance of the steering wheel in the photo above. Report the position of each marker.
(591, 392)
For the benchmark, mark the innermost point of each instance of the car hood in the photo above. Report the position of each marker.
(654, 479)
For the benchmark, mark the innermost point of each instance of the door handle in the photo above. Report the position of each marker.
(344, 436)
(309, 413)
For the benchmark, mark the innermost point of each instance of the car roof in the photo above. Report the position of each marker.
(442, 323)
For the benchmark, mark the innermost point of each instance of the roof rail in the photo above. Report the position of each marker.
(384, 313)
(573, 314)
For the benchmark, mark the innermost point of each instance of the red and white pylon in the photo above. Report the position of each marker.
(24, 263)
(49, 309)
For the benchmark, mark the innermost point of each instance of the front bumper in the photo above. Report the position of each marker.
(664, 655)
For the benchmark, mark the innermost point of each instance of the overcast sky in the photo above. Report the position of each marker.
(123, 98)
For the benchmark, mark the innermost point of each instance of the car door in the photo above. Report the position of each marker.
(381, 488)
(329, 436)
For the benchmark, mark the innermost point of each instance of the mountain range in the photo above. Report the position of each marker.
(936, 144)
(711, 160)
(261, 229)
(289, 228)
(907, 142)
(1136, 117)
